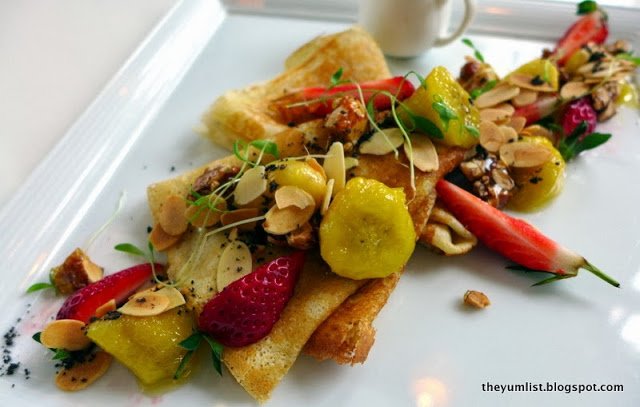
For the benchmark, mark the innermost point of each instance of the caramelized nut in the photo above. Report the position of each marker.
(476, 299)
(76, 272)
(172, 217)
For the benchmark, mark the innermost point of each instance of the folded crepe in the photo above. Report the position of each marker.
(329, 316)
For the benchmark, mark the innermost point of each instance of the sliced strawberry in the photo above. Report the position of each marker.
(246, 310)
(82, 304)
(542, 107)
(315, 102)
(513, 238)
(591, 27)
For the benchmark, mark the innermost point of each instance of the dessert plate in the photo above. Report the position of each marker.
(430, 350)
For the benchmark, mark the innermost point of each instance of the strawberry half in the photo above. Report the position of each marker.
(82, 304)
(591, 27)
(316, 102)
(543, 107)
(246, 310)
(514, 238)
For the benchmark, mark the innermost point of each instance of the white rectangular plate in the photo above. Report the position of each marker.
(429, 351)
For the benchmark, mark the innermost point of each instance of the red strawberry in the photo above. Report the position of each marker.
(513, 238)
(246, 310)
(591, 27)
(315, 102)
(575, 113)
(543, 107)
(82, 304)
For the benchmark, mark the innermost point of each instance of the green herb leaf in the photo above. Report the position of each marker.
(472, 130)
(36, 337)
(552, 279)
(577, 142)
(192, 342)
(518, 267)
(131, 249)
(427, 127)
(627, 56)
(586, 7)
(445, 112)
(183, 364)
(267, 146)
(421, 78)
(237, 146)
(371, 109)
(216, 354)
(476, 53)
(60, 354)
(484, 88)
(40, 286)
(335, 78)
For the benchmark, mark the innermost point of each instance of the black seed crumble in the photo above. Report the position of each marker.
(149, 229)
(111, 315)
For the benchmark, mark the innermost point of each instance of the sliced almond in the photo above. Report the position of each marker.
(425, 156)
(66, 334)
(160, 239)
(235, 263)
(526, 81)
(327, 197)
(350, 162)
(508, 134)
(171, 217)
(506, 107)
(526, 97)
(82, 374)
(497, 95)
(105, 308)
(289, 195)
(383, 142)
(517, 123)
(145, 304)
(252, 184)
(174, 295)
(494, 115)
(522, 154)
(239, 215)
(203, 215)
(313, 163)
(574, 90)
(334, 166)
(491, 138)
(536, 130)
(282, 221)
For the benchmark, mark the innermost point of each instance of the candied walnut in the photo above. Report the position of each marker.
(476, 299)
(348, 120)
(76, 272)
(212, 178)
(475, 74)
(490, 178)
(302, 238)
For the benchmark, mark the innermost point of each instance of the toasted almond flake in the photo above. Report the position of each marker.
(239, 215)
(289, 195)
(536, 130)
(334, 166)
(174, 295)
(327, 197)
(203, 216)
(106, 307)
(517, 123)
(586, 68)
(65, 334)
(526, 97)
(282, 221)
(524, 81)
(508, 134)
(491, 138)
(497, 95)
(235, 263)
(574, 90)
(160, 239)
(350, 162)
(171, 217)
(425, 156)
(313, 163)
(522, 154)
(383, 142)
(82, 374)
(494, 115)
(506, 107)
(145, 304)
(252, 184)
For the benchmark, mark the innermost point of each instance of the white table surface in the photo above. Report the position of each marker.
(56, 57)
